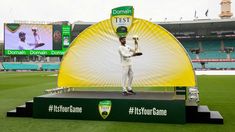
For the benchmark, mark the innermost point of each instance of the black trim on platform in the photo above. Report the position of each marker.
(22, 111)
(202, 114)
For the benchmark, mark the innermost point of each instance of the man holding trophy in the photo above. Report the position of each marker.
(126, 52)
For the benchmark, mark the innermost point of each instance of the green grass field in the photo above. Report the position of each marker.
(218, 92)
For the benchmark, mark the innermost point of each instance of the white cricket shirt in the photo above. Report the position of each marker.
(125, 55)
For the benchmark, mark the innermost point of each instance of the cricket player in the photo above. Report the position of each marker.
(126, 52)
(36, 35)
(24, 45)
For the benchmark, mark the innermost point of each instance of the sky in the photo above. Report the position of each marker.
(97, 10)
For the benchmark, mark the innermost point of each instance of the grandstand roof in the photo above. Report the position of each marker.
(197, 21)
(200, 25)
(197, 25)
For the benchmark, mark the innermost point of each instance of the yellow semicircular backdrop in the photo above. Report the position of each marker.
(93, 60)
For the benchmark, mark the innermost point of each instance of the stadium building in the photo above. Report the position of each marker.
(209, 42)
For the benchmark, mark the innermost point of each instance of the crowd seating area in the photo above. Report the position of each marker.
(13, 66)
(223, 65)
(54, 67)
(197, 65)
(50, 67)
(19, 66)
(209, 49)
(213, 54)
(212, 45)
(215, 65)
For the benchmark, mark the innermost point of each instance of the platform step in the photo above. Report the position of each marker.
(203, 115)
(203, 112)
(21, 106)
(12, 113)
(29, 104)
(21, 109)
(203, 108)
(216, 115)
(216, 118)
(191, 106)
(25, 110)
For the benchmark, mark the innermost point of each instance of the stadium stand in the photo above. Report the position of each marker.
(77, 29)
(192, 56)
(47, 67)
(208, 36)
(215, 65)
(210, 49)
(19, 66)
(197, 66)
(211, 45)
(212, 55)
(190, 45)
(221, 65)
(29, 66)
(233, 55)
(229, 43)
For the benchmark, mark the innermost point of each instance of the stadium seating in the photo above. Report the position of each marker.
(212, 55)
(223, 65)
(215, 65)
(232, 55)
(211, 45)
(190, 44)
(197, 65)
(192, 56)
(211, 49)
(29, 66)
(46, 67)
(229, 43)
(19, 66)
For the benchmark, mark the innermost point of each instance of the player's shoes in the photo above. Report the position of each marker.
(131, 92)
(125, 93)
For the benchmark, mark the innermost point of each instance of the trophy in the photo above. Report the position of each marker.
(137, 51)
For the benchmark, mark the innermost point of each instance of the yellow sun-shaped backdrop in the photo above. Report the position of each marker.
(93, 60)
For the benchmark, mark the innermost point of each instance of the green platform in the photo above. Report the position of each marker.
(162, 107)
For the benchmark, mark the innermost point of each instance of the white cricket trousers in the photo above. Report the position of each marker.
(127, 77)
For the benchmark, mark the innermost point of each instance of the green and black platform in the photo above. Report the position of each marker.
(159, 107)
